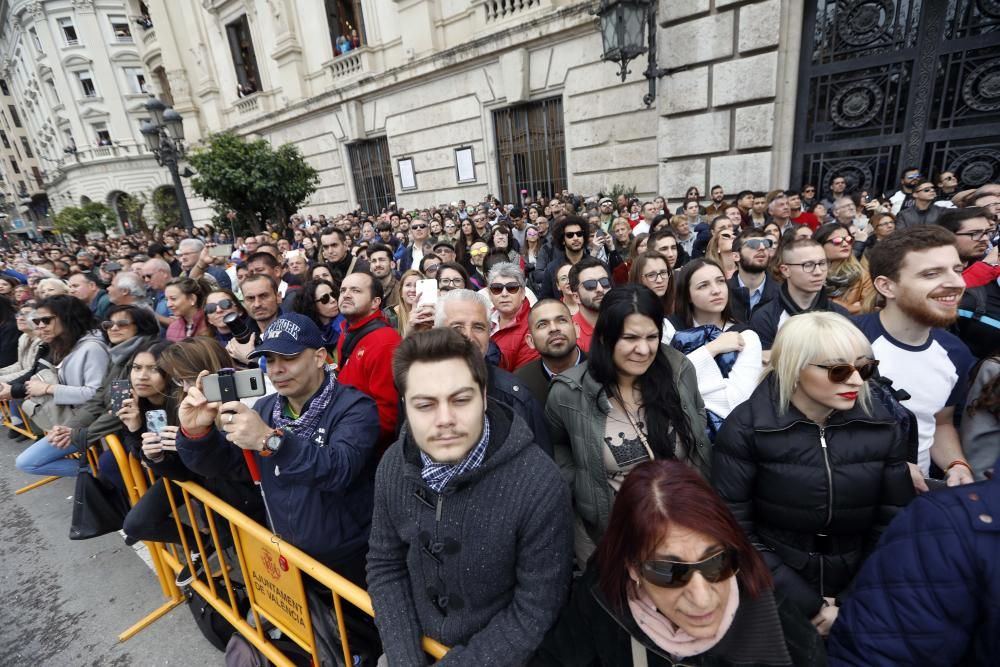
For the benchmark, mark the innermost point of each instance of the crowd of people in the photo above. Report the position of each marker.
(759, 429)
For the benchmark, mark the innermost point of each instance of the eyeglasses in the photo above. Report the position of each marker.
(325, 299)
(451, 282)
(108, 325)
(810, 266)
(573, 235)
(809, 190)
(975, 234)
(418, 226)
(757, 244)
(224, 304)
(42, 321)
(591, 285)
(910, 177)
(725, 235)
(929, 188)
(886, 223)
(479, 251)
(842, 372)
(656, 276)
(677, 574)
(841, 240)
(498, 288)
(431, 270)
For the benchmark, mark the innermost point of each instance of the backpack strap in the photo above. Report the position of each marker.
(978, 313)
(352, 339)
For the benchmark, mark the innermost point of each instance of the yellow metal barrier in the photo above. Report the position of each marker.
(271, 570)
(8, 421)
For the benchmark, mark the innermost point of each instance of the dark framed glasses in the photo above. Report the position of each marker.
(42, 321)
(108, 325)
(677, 574)
(498, 288)
(421, 226)
(976, 234)
(224, 304)
(573, 235)
(591, 285)
(326, 299)
(657, 276)
(842, 372)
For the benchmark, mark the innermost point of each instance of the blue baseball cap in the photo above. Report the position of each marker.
(289, 335)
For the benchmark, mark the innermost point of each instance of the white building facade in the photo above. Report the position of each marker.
(75, 70)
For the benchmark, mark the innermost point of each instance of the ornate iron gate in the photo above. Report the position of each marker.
(531, 149)
(371, 166)
(889, 84)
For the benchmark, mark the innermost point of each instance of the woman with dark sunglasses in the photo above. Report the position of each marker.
(847, 281)
(812, 466)
(676, 581)
(219, 304)
(317, 300)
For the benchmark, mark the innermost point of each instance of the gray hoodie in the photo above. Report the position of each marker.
(83, 370)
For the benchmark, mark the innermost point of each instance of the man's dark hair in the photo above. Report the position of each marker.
(541, 303)
(559, 230)
(379, 247)
(902, 172)
(263, 276)
(439, 344)
(265, 257)
(516, 212)
(716, 186)
(587, 262)
(156, 250)
(661, 233)
(375, 289)
(334, 231)
(757, 194)
(795, 244)
(742, 193)
(888, 255)
(88, 276)
(952, 220)
(923, 181)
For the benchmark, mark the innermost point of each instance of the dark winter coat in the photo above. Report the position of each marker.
(591, 633)
(930, 594)
(484, 566)
(814, 499)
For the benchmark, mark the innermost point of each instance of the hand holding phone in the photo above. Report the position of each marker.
(427, 292)
(121, 390)
(156, 421)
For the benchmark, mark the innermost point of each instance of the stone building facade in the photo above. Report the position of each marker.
(519, 82)
(73, 67)
(22, 186)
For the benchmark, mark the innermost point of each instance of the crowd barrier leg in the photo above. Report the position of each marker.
(135, 486)
(91, 459)
(7, 420)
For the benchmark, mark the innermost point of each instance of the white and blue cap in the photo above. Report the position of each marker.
(289, 335)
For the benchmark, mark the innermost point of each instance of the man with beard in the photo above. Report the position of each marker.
(589, 281)
(718, 201)
(838, 189)
(971, 227)
(570, 238)
(364, 352)
(919, 274)
(903, 198)
(751, 288)
(552, 332)
(758, 211)
(804, 266)
(260, 298)
(380, 263)
(337, 253)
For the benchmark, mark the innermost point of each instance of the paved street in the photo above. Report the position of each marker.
(64, 603)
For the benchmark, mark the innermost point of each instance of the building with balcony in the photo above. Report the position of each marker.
(24, 206)
(75, 72)
(427, 101)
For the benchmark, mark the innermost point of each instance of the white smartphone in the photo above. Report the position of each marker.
(233, 386)
(427, 292)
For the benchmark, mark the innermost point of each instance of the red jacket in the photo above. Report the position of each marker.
(979, 273)
(586, 332)
(514, 351)
(369, 369)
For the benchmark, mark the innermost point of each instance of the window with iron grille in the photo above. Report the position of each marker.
(531, 149)
(371, 166)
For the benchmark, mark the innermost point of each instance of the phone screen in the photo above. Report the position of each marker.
(156, 420)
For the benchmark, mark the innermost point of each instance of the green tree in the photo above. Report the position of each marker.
(165, 206)
(78, 221)
(258, 182)
(133, 206)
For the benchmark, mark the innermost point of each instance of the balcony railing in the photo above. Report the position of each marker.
(501, 10)
(350, 65)
(247, 105)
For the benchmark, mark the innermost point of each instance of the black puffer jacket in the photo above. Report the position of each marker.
(815, 511)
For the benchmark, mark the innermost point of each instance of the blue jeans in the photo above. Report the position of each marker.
(42, 458)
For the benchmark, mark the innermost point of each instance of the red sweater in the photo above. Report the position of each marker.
(369, 370)
(514, 351)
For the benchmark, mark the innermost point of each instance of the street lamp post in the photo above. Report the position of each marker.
(628, 29)
(165, 139)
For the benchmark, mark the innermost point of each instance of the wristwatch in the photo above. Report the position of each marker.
(272, 443)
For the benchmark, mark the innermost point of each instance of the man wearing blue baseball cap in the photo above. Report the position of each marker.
(313, 441)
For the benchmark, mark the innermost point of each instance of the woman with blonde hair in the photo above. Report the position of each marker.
(811, 466)
(406, 298)
(51, 287)
(720, 251)
(847, 281)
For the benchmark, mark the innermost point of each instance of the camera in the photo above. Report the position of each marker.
(238, 327)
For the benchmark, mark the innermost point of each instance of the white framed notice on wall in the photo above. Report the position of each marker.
(465, 165)
(407, 176)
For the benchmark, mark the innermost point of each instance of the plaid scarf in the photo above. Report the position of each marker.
(306, 423)
(437, 475)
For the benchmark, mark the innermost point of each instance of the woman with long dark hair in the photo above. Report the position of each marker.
(78, 354)
(676, 581)
(317, 300)
(652, 269)
(633, 400)
(847, 281)
(726, 355)
(186, 301)
(219, 304)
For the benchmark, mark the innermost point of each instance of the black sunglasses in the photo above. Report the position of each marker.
(591, 285)
(326, 298)
(757, 244)
(574, 235)
(224, 304)
(842, 372)
(498, 288)
(42, 321)
(677, 574)
(108, 325)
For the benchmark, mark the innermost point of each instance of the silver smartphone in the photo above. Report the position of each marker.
(229, 385)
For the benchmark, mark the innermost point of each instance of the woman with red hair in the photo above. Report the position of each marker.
(675, 579)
